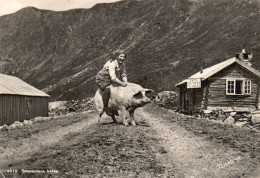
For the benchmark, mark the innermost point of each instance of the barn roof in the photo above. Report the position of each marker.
(15, 86)
(208, 72)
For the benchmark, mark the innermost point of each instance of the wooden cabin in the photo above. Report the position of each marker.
(20, 101)
(230, 85)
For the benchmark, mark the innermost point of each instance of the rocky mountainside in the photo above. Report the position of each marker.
(166, 41)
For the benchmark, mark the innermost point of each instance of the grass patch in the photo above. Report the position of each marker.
(243, 139)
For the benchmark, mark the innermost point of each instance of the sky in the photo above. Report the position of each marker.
(11, 6)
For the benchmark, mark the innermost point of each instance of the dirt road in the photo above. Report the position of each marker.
(76, 146)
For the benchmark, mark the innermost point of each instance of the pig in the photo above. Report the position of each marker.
(126, 99)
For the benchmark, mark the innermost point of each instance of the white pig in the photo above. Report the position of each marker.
(126, 99)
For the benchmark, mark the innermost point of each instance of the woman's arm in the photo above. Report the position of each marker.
(112, 73)
(120, 82)
(124, 76)
(124, 79)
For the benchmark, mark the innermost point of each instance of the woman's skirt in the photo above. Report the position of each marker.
(102, 81)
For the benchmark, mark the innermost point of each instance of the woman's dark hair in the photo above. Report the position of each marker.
(116, 53)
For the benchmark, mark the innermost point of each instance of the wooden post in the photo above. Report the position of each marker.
(258, 96)
(180, 98)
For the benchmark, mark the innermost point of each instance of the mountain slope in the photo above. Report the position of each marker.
(166, 41)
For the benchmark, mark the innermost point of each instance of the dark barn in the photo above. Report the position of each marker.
(20, 101)
(230, 85)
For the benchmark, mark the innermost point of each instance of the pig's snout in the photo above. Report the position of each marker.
(146, 100)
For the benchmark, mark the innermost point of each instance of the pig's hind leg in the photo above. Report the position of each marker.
(114, 117)
(132, 119)
(99, 117)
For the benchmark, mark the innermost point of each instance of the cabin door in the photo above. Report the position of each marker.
(190, 100)
(183, 99)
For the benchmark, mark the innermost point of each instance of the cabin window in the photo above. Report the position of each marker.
(247, 87)
(238, 87)
(230, 87)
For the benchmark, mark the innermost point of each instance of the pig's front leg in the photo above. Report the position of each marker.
(132, 119)
(124, 115)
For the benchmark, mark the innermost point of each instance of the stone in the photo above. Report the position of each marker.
(216, 112)
(256, 112)
(16, 124)
(228, 110)
(29, 122)
(26, 122)
(233, 113)
(57, 104)
(221, 112)
(190, 117)
(198, 116)
(5, 127)
(207, 115)
(255, 118)
(38, 119)
(227, 114)
(221, 117)
(240, 124)
(47, 118)
(248, 115)
(242, 119)
(71, 110)
(207, 111)
(213, 117)
(229, 120)
(238, 116)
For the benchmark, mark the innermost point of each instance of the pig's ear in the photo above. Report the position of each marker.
(138, 95)
(150, 93)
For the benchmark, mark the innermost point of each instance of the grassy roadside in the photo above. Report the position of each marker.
(243, 139)
(13, 138)
(27, 130)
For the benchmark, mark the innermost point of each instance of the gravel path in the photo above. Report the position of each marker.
(77, 146)
(194, 155)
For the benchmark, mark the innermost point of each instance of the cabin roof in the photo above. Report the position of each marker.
(15, 86)
(208, 72)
